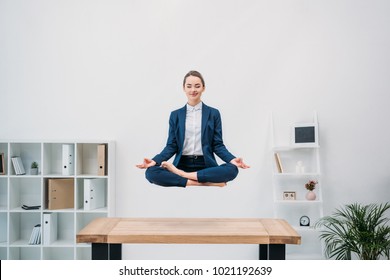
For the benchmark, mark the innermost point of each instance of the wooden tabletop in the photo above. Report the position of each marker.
(188, 231)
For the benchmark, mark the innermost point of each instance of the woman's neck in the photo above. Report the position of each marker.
(193, 103)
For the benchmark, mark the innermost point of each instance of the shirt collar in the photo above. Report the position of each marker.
(197, 107)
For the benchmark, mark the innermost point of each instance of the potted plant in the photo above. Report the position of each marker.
(34, 168)
(356, 229)
(310, 186)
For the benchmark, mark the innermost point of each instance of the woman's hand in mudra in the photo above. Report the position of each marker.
(146, 163)
(239, 163)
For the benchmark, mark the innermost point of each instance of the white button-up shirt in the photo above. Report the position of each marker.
(192, 139)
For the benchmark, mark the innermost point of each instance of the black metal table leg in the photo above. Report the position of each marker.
(263, 252)
(272, 251)
(115, 251)
(104, 251)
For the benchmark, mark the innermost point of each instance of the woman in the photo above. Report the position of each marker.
(195, 135)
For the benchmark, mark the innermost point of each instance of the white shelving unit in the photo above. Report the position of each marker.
(16, 224)
(291, 180)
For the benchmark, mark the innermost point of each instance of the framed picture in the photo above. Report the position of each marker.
(305, 134)
(289, 195)
(2, 165)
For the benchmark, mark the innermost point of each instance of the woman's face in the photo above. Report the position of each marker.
(193, 88)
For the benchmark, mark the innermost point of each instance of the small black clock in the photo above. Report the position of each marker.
(304, 221)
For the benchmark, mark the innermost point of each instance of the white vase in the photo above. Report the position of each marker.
(311, 195)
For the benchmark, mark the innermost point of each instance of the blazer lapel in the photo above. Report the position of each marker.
(205, 117)
(182, 124)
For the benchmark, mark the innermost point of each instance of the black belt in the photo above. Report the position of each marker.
(192, 157)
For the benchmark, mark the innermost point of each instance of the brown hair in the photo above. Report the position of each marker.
(195, 74)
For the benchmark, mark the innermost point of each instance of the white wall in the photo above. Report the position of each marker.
(113, 70)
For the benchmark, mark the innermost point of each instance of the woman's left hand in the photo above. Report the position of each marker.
(239, 163)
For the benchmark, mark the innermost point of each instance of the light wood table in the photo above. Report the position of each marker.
(108, 234)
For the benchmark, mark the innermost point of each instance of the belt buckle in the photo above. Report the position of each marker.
(195, 157)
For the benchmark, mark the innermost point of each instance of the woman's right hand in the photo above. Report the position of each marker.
(146, 163)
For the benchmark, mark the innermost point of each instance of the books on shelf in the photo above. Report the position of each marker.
(35, 237)
(18, 165)
(278, 163)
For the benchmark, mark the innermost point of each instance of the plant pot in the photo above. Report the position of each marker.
(34, 171)
(311, 195)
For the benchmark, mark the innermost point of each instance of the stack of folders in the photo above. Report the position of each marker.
(31, 207)
(35, 237)
(18, 166)
(49, 228)
(94, 193)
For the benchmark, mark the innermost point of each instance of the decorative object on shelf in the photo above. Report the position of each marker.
(289, 195)
(356, 229)
(299, 168)
(305, 134)
(310, 186)
(278, 163)
(304, 221)
(2, 166)
(34, 168)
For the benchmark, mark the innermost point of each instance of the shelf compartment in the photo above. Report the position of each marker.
(53, 160)
(21, 226)
(25, 253)
(80, 194)
(58, 253)
(65, 229)
(3, 228)
(83, 219)
(3, 194)
(289, 159)
(64, 188)
(292, 213)
(295, 184)
(3, 253)
(28, 152)
(88, 159)
(83, 253)
(25, 190)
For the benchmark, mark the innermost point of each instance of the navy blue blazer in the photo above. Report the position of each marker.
(211, 137)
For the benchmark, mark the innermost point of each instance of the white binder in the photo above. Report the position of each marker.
(94, 193)
(49, 228)
(67, 159)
